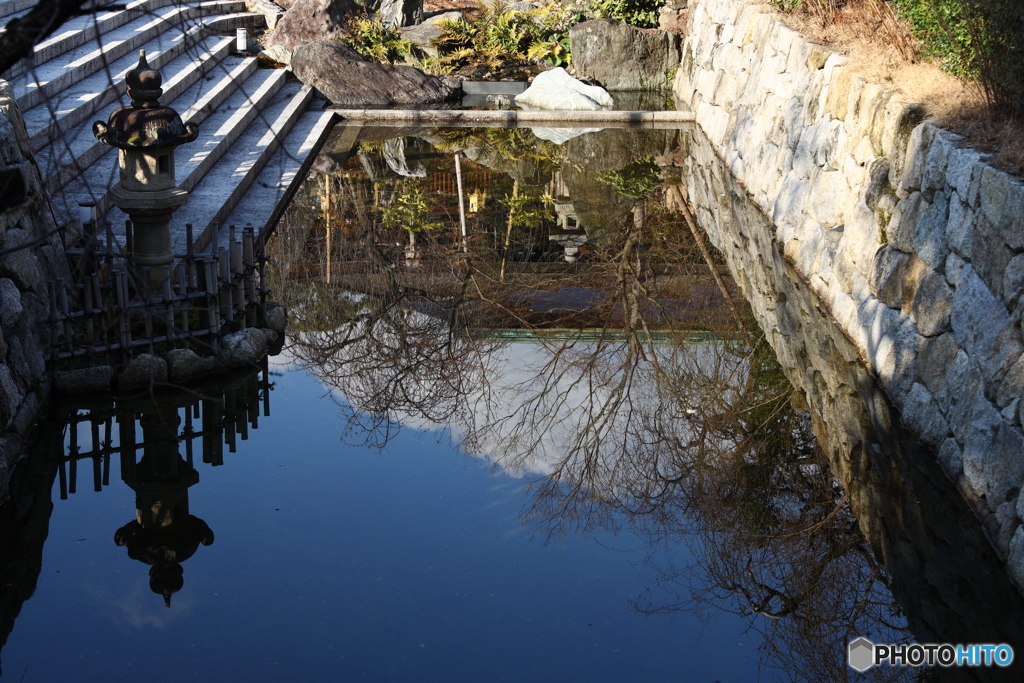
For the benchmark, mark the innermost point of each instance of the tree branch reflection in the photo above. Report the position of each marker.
(644, 398)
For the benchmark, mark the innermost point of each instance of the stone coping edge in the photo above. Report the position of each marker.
(563, 118)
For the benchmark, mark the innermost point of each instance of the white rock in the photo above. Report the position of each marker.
(556, 89)
(560, 136)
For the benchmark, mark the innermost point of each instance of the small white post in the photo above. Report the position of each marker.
(241, 40)
(86, 212)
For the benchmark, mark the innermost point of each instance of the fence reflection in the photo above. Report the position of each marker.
(156, 439)
(100, 427)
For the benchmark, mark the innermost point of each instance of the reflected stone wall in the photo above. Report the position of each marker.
(912, 244)
(944, 572)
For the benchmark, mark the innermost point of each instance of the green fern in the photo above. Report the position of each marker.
(372, 39)
(497, 36)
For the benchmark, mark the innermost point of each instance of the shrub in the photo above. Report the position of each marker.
(409, 208)
(980, 40)
(642, 13)
(497, 36)
(636, 180)
(372, 39)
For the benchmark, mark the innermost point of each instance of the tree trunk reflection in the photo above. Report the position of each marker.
(623, 380)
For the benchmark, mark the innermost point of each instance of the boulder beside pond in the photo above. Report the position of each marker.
(310, 20)
(556, 89)
(422, 35)
(621, 57)
(347, 79)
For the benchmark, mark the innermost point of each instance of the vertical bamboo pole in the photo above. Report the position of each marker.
(97, 475)
(62, 303)
(73, 457)
(63, 475)
(107, 444)
(190, 256)
(462, 206)
(87, 314)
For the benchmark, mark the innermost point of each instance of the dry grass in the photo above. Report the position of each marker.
(873, 43)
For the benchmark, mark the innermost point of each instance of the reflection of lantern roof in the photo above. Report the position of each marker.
(145, 123)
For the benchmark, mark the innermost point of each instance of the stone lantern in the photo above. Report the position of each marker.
(146, 135)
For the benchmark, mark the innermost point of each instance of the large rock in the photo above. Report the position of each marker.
(268, 8)
(310, 20)
(556, 89)
(398, 13)
(423, 34)
(245, 347)
(183, 365)
(346, 79)
(621, 57)
(84, 380)
(144, 372)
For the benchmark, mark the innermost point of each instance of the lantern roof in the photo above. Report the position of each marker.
(144, 124)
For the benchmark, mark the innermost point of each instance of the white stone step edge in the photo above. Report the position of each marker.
(248, 171)
(63, 123)
(311, 144)
(238, 122)
(178, 84)
(14, 7)
(11, 7)
(80, 31)
(174, 20)
(99, 58)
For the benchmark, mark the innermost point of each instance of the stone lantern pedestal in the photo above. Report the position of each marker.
(146, 134)
(149, 198)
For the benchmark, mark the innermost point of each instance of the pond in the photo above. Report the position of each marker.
(538, 436)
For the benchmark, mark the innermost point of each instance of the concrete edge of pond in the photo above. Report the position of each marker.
(555, 118)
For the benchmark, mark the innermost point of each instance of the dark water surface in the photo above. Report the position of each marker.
(561, 449)
(331, 561)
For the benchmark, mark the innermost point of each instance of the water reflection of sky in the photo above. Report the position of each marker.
(332, 562)
(509, 375)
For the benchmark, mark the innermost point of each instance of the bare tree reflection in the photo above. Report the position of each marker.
(646, 398)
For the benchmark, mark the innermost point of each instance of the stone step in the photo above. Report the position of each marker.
(255, 141)
(56, 116)
(222, 129)
(217, 195)
(15, 7)
(11, 8)
(50, 78)
(78, 31)
(180, 24)
(196, 104)
(78, 148)
(283, 174)
(83, 30)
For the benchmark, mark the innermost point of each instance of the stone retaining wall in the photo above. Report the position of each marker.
(914, 245)
(31, 254)
(937, 558)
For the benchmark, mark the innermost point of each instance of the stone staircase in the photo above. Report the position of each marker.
(257, 127)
